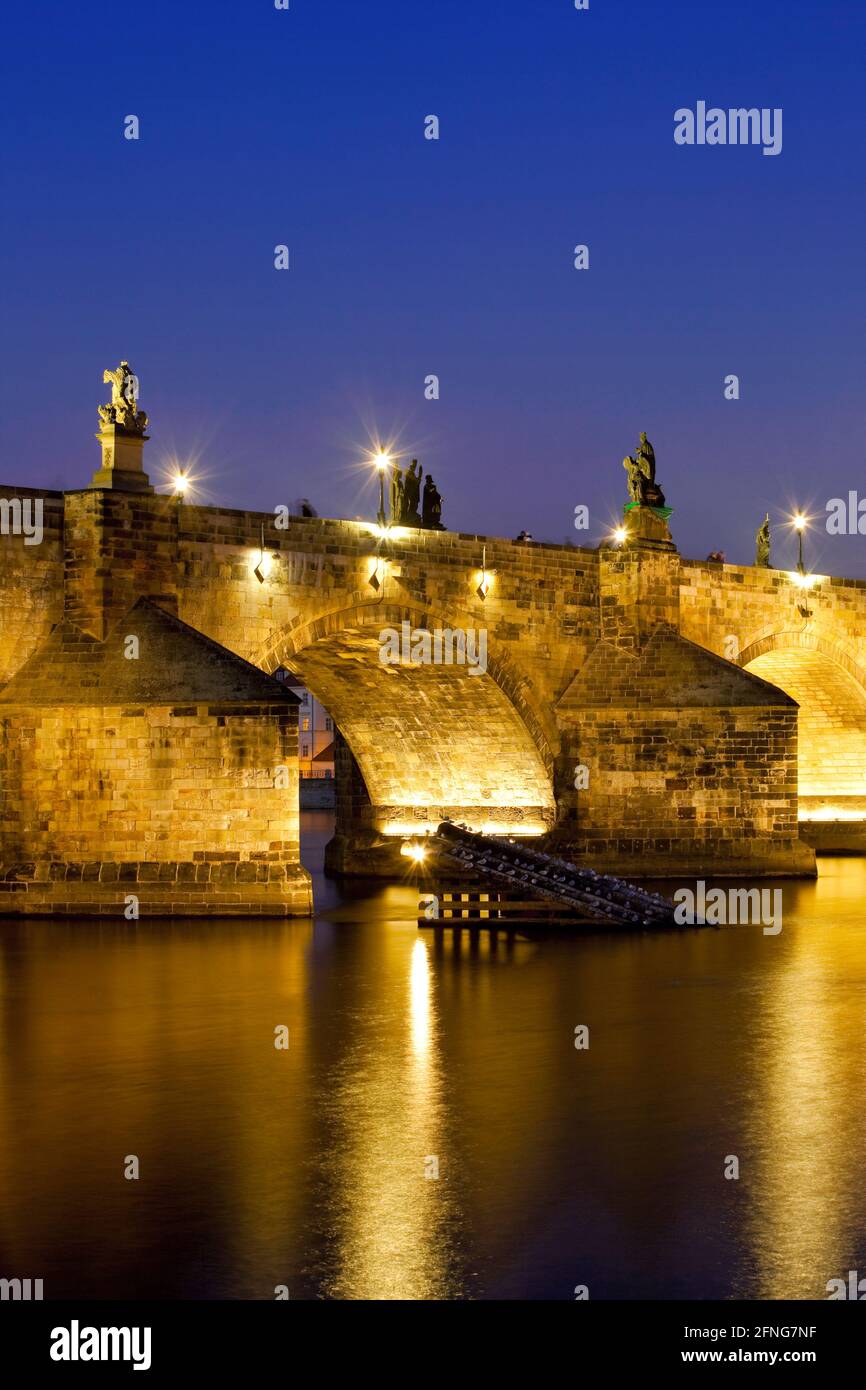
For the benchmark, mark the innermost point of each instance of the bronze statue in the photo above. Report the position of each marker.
(396, 495)
(642, 486)
(762, 544)
(411, 495)
(634, 478)
(431, 506)
(646, 458)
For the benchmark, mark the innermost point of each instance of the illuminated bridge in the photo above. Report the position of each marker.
(634, 710)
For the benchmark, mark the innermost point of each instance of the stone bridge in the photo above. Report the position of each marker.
(634, 709)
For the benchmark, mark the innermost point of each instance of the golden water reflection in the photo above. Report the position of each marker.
(431, 1131)
(809, 1078)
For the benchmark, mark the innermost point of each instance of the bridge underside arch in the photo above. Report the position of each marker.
(431, 741)
(831, 723)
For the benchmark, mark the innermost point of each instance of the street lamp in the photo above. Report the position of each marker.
(383, 463)
(799, 523)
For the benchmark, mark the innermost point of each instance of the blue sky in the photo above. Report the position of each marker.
(409, 257)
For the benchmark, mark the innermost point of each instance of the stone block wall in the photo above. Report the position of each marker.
(701, 790)
(191, 808)
(118, 547)
(748, 604)
(31, 580)
(690, 765)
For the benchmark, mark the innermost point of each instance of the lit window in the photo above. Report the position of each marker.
(305, 725)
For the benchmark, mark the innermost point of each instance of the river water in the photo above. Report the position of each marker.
(411, 1054)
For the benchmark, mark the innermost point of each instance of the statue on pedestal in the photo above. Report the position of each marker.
(122, 434)
(641, 470)
(123, 410)
(646, 457)
(634, 478)
(762, 544)
(431, 506)
(396, 495)
(410, 515)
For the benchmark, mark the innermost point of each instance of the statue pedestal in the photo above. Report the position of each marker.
(122, 461)
(648, 526)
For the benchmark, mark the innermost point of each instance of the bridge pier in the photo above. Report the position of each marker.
(149, 774)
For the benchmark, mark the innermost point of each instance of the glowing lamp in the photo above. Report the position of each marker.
(417, 853)
(266, 561)
(799, 523)
(803, 581)
(485, 580)
(382, 462)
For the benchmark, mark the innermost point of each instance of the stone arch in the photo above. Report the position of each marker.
(431, 740)
(830, 688)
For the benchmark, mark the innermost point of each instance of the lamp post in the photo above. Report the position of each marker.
(799, 524)
(383, 463)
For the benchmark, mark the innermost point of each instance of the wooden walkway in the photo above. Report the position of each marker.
(482, 880)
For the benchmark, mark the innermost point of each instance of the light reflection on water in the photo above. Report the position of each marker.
(410, 1049)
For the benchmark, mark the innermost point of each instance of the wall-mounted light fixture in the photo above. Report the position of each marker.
(414, 851)
(804, 581)
(484, 586)
(265, 565)
(377, 575)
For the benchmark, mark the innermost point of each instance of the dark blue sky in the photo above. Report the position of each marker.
(454, 257)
